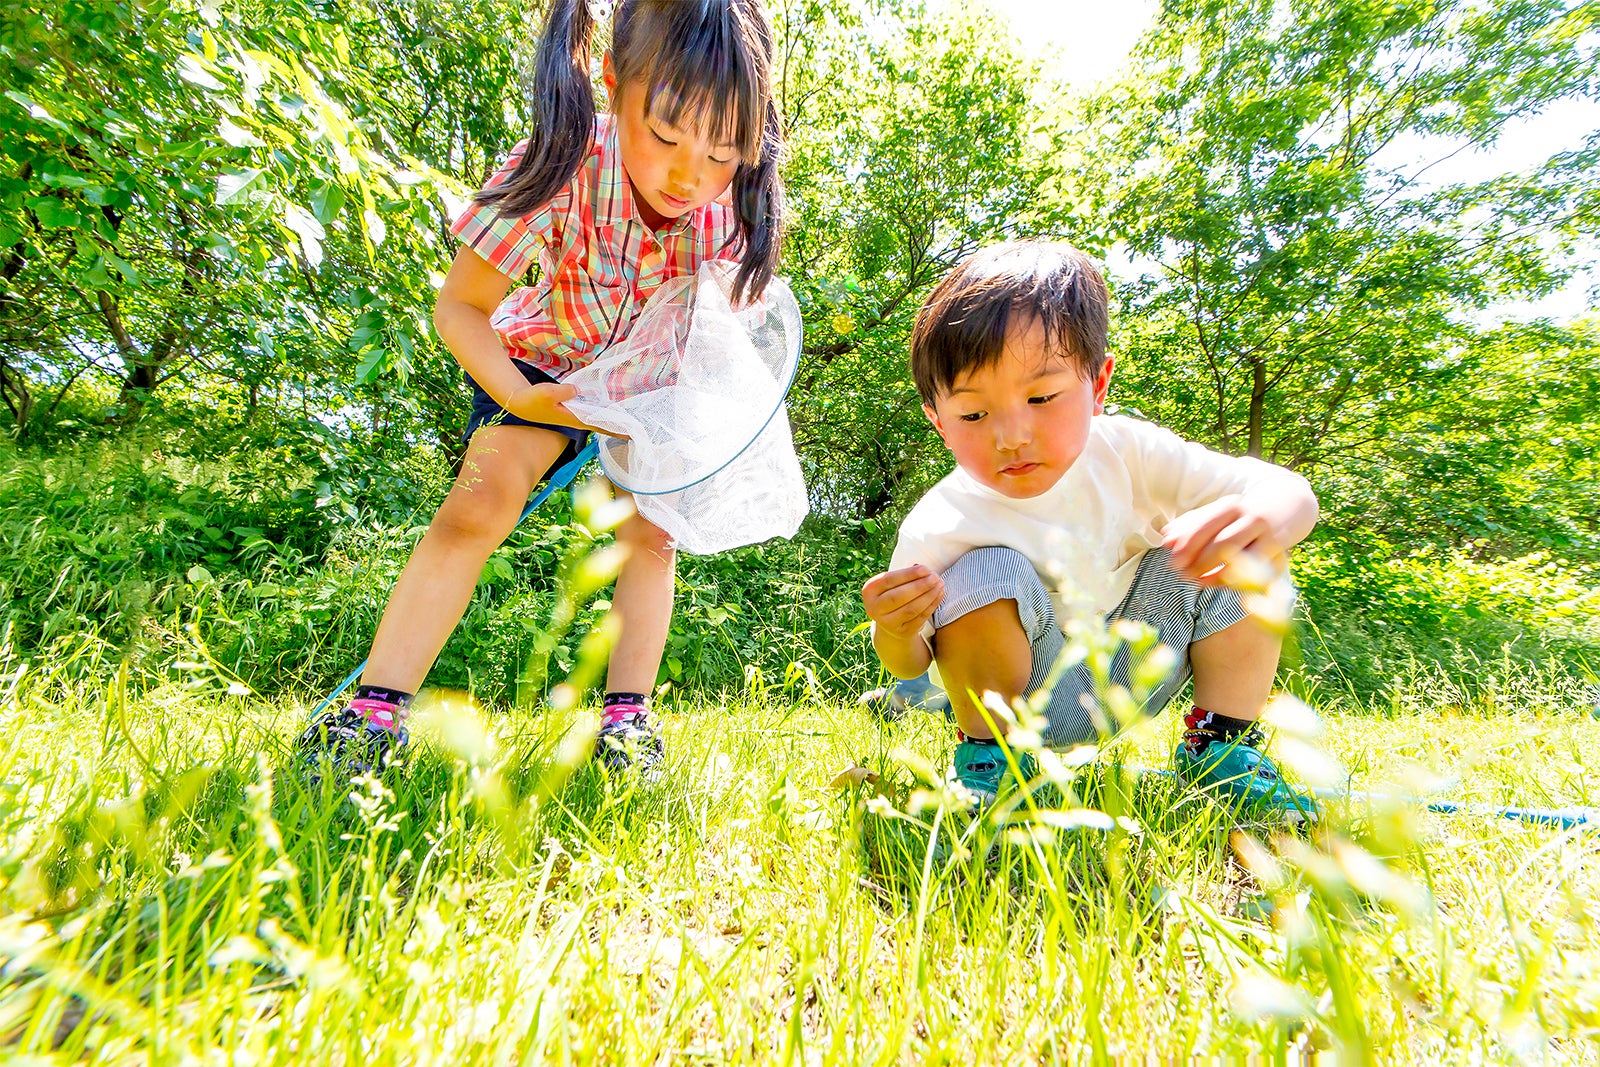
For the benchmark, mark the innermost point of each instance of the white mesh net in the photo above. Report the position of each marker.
(695, 394)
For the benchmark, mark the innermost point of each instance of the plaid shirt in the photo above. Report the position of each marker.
(598, 261)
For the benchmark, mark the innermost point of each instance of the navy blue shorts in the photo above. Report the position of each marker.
(486, 412)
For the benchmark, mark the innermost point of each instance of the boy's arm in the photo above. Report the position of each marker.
(900, 603)
(1265, 519)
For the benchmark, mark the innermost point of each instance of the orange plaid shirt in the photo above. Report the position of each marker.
(598, 261)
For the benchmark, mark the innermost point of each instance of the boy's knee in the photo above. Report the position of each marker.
(986, 648)
(985, 576)
(976, 633)
(1248, 634)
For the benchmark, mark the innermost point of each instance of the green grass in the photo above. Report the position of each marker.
(169, 893)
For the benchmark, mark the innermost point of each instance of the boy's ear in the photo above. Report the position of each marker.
(1102, 383)
(933, 417)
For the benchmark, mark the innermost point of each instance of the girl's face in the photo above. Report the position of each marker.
(673, 170)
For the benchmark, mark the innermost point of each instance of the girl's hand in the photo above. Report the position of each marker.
(901, 601)
(546, 402)
(1225, 542)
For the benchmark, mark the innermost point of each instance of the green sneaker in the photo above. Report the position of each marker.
(1240, 773)
(981, 766)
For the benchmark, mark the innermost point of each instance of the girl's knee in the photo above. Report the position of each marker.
(642, 535)
(474, 513)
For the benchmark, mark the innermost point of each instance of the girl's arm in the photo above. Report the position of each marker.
(471, 292)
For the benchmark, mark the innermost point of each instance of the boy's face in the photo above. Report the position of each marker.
(1020, 423)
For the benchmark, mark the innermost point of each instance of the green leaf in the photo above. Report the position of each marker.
(232, 186)
(125, 269)
(39, 113)
(238, 136)
(54, 213)
(327, 201)
(372, 365)
(308, 229)
(192, 70)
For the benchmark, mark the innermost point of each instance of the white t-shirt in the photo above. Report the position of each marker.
(1086, 535)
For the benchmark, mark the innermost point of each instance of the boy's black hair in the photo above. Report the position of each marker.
(706, 60)
(962, 325)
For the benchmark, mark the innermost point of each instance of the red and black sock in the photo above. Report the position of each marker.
(1201, 727)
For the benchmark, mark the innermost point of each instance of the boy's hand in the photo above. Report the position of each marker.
(546, 402)
(1228, 531)
(901, 601)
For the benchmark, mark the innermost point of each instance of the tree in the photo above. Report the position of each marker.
(248, 201)
(911, 147)
(1301, 284)
(1503, 459)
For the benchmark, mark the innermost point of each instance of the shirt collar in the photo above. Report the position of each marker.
(613, 202)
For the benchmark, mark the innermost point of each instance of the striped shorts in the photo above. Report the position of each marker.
(1180, 611)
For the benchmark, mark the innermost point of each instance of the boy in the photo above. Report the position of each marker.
(1057, 508)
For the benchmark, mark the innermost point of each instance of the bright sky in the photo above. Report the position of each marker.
(1087, 41)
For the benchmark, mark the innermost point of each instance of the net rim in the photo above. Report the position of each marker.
(784, 399)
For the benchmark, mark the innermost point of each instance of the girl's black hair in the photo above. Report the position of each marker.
(702, 61)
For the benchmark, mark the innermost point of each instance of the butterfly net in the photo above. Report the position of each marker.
(694, 397)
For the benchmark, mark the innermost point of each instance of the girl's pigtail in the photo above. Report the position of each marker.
(758, 201)
(563, 114)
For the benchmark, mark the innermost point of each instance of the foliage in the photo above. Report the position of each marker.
(1501, 462)
(1304, 286)
(1375, 615)
(247, 205)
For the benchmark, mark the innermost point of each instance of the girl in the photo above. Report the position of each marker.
(610, 207)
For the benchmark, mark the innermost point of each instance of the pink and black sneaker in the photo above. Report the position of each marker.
(367, 736)
(628, 737)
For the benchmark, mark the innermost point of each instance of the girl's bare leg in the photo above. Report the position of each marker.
(643, 603)
(502, 465)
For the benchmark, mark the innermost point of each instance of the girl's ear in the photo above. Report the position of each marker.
(609, 76)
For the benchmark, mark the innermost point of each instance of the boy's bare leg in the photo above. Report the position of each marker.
(500, 469)
(1234, 668)
(643, 603)
(985, 649)
(1233, 671)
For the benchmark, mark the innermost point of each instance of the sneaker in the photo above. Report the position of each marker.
(630, 740)
(884, 704)
(908, 694)
(1238, 772)
(981, 767)
(346, 743)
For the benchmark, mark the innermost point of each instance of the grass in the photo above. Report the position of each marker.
(168, 892)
